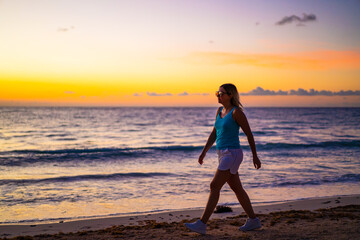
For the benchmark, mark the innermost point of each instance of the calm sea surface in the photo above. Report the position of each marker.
(71, 163)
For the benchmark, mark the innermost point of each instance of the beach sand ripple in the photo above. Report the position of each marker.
(328, 223)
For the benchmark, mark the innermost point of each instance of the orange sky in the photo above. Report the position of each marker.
(115, 53)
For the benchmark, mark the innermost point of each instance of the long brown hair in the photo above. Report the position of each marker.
(231, 90)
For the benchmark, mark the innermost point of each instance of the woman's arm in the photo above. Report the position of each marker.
(241, 119)
(209, 142)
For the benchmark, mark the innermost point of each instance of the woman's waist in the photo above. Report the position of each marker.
(228, 145)
(227, 151)
(228, 140)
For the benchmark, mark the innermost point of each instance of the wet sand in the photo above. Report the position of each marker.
(322, 218)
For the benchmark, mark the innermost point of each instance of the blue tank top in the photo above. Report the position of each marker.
(227, 131)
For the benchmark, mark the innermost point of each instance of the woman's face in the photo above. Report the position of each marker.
(223, 97)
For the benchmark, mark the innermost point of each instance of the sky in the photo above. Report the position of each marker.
(178, 52)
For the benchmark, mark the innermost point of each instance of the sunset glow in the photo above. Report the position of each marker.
(176, 53)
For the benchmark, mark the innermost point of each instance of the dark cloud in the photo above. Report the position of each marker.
(313, 92)
(259, 91)
(348, 93)
(153, 94)
(137, 94)
(296, 19)
(300, 92)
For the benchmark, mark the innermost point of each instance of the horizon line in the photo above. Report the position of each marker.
(163, 106)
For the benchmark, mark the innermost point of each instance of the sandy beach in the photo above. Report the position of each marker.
(321, 218)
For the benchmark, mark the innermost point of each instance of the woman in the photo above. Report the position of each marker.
(229, 119)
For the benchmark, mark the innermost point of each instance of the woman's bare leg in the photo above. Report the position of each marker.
(220, 178)
(235, 185)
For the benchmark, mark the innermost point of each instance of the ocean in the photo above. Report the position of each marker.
(67, 163)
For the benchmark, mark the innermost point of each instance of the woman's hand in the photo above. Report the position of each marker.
(201, 158)
(256, 161)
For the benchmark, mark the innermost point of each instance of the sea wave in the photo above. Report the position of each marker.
(325, 144)
(345, 178)
(127, 151)
(20, 157)
(87, 177)
(104, 150)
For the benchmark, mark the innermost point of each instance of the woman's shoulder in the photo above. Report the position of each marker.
(218, 110)
(238, 111)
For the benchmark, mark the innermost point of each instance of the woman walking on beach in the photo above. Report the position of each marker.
(229, 119)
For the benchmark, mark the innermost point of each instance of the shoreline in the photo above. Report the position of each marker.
(12, 230)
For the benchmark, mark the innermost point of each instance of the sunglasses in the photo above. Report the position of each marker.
(219, 93)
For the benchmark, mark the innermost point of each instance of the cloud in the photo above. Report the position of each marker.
(313, 92)
(200, 94)
(193, 94)
(65, 29)
(316, 60)
(348, 93)
(296, 19)
(259, 91)
(153, 94)
(69, 92)
(183, 94)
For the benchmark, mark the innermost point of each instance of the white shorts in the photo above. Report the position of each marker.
(230, 159)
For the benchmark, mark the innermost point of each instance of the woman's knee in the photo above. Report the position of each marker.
(220, 178)
(214, 186)
(235, 185)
